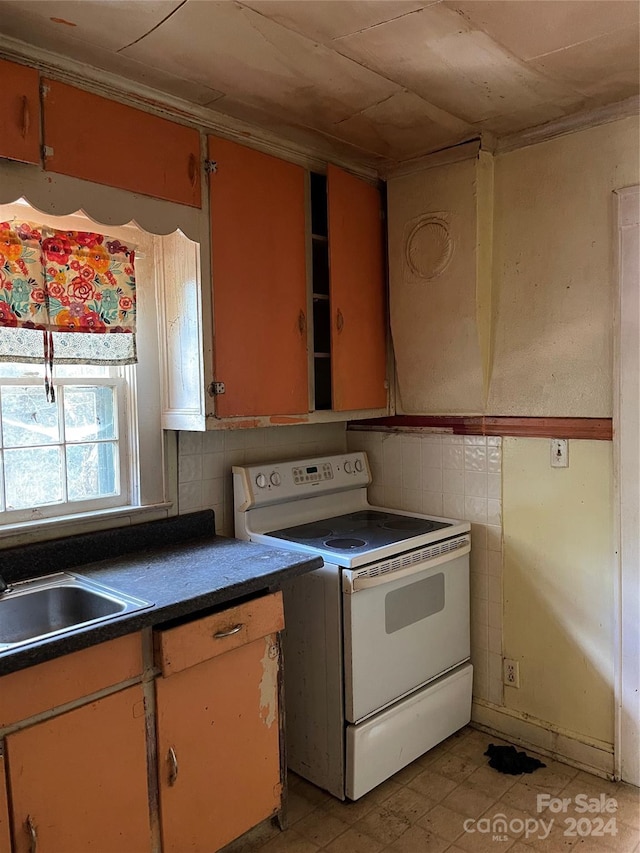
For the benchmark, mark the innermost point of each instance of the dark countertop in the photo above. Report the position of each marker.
(200, 573)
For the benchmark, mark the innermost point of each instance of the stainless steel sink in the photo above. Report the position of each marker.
(42, 608)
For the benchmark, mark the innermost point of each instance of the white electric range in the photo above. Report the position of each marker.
(376, 648)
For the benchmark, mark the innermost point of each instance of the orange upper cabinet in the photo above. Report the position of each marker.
(90, 137)
(357, 293)
(259, 282)
(20, 111)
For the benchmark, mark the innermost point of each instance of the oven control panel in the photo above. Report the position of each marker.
(312, 473)
(275, 482)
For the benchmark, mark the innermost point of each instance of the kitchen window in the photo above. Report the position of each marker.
(99, 447)
(70, 454)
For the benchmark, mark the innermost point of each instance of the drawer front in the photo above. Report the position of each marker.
(65, 679)
(187, 645)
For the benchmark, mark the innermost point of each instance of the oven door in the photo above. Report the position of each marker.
(403, 629)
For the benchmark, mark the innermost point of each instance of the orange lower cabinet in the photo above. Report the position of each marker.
(79, 781)
(5, 838)
(219, 747)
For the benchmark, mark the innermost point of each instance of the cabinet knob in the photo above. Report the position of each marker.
(26, 116)
(339, 320)
(33, 835)
(173, 766)
(302, 322)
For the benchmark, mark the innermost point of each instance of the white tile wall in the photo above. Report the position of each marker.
(205, 460)
(458, 477)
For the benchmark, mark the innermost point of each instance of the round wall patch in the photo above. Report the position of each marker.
(429, 247)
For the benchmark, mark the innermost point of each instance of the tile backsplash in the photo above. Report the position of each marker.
(205, 460)
(456, 477)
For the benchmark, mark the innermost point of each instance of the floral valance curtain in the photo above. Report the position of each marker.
(53, 283)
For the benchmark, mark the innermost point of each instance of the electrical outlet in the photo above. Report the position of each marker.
(559, 453)
(511, 672)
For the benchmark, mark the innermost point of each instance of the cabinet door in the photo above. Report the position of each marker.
(218, 747)
(259, 282)
(20, 111)
(79, 781)
(100, 140)
(357, 293)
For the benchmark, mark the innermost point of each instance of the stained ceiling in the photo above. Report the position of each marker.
(380, 81)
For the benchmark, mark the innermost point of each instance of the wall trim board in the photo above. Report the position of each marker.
(628, 108)
(586, 754)
(600, 429)
(626, 465)
(466, 150)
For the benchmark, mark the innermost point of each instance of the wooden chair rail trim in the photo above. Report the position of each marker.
(600, 429)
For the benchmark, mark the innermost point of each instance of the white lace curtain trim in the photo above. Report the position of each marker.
(25, 346)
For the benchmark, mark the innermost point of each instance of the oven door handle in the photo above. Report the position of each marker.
(351, 583)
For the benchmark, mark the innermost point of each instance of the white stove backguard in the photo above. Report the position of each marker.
(279, 482)
(273, 495)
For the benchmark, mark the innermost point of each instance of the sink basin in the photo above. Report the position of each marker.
(42, 608)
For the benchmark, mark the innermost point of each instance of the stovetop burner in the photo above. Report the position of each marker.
(368, 515)
(345, 544)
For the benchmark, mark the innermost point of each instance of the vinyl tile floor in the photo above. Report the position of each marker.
(451, 801)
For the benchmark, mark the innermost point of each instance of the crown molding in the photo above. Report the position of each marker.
(463, 151)
(568, 124)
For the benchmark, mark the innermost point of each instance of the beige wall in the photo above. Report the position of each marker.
(433, 320)
(520, 322)
(558, 578)
(552, 272)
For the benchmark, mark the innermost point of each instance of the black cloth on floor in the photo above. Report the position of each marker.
(506, 759)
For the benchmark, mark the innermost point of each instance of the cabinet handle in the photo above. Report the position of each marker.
(26, 116)
(33, 835)
(193, 170)
(339, 320)
(228, 633)
(173, 766)
(302, 322)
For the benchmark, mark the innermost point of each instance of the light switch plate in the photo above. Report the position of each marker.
(559, 453)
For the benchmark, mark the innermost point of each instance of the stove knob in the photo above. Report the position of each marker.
(359, 465)
(275, 478)
(261, 481)
(348, 467)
